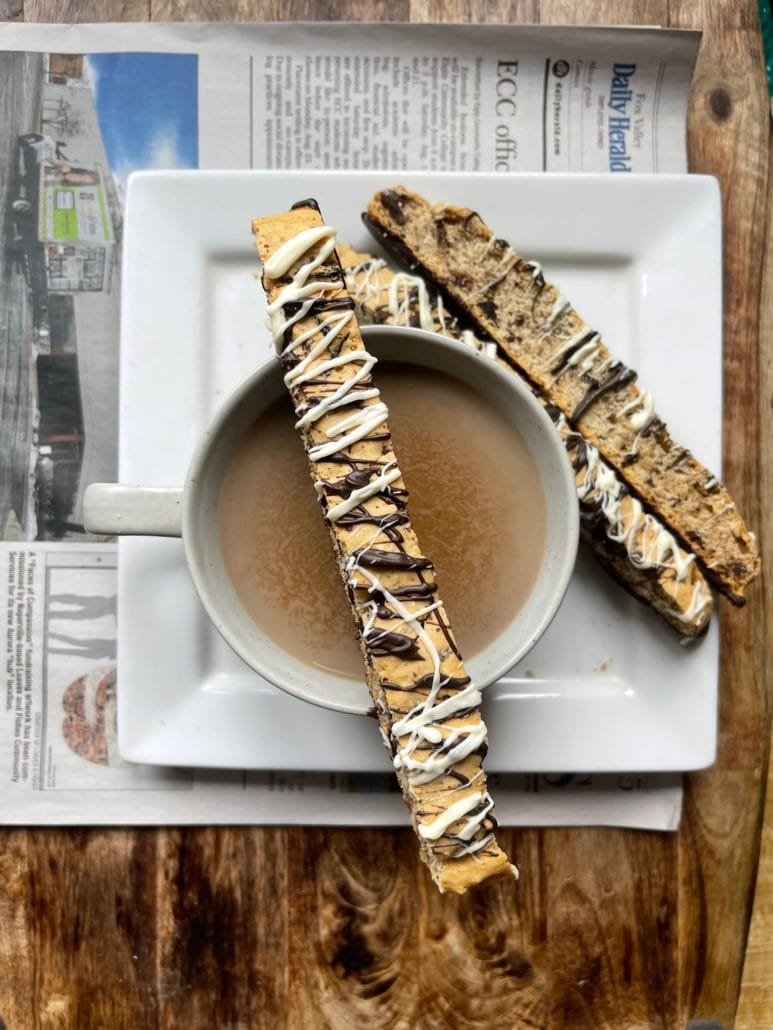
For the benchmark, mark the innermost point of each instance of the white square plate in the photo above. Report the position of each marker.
(608, 688)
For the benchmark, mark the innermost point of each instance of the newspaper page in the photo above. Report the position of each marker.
(84, 106)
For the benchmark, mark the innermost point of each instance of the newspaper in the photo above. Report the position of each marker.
(84, 106)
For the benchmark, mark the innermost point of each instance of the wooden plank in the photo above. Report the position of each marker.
(728, 137)
(16, 970)
(278, 10)
(65, 11)
(755, 1006)
(90, 920)
(383, 948)
(223, 905)
(354, 919)
(11, 10)
(612, 913)
(603, 12)
(475, 11)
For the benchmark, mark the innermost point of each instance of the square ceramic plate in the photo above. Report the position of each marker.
(608, 688)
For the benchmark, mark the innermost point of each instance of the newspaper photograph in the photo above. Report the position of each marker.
(75, 128)
(77, 120)
(59, 716)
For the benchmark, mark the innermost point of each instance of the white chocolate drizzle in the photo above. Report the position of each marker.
(487, 247)
(292, 250)
(361, 424)
(333, 323)
(509, 261)
(567, 345)
(400, 305)
(441, 823)
(585, 357)
(356, 497)
(646, 540)
(407, 298)
(280, 262)
(560, 307)
(641, 410)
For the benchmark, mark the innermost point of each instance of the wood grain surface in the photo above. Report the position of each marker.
(308, 928)
(756, 1004)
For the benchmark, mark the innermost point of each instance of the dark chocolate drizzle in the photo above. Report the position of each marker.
(308, 202)
(392, 244)
(374, 557)
(553, 411)
(446, 682)
(317, 308)
(682, 454)
(564, 359)
(386, 523)
(382, 642)
(449, 683)
(617, 376)
(413, 592)
(352, 481)
(425, 683)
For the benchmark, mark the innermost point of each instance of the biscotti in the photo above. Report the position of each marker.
(508, 299)
(427, 707)
(385, 297)
(635, 546)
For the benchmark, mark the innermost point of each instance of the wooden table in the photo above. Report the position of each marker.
(332, 928)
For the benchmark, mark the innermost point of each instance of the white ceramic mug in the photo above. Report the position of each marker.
(191, 512)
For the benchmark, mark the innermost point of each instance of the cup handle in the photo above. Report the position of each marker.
(113, 509)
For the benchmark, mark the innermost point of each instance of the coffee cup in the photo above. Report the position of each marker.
(191, 512)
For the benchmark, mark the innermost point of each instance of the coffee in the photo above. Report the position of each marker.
(475, 500)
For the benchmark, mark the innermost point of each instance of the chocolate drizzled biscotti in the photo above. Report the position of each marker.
(426, 704)
(507, 299)
(634, 545)
(385, 297)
